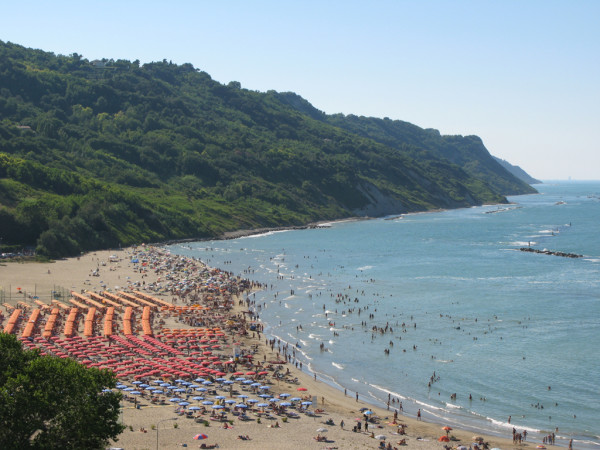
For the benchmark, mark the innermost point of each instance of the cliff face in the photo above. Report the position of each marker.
(379, 204)
(97, 155)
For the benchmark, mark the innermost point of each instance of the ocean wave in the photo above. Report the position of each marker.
(453, 406)
(266, 233)
(338, 365)
(387, 391)
(522, 243)
(364, 268)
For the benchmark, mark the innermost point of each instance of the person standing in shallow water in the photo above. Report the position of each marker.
(419, 414)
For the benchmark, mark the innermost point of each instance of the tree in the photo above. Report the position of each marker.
(51, 403)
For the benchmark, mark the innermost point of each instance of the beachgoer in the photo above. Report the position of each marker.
(419, 414)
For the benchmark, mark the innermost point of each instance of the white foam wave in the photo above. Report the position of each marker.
(387, 391)
(338, 365)
(452, 406)
(522, 243)
(364, 268)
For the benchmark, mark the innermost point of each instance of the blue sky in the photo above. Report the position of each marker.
(522, 75)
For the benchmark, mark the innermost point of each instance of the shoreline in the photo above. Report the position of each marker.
(73, 274)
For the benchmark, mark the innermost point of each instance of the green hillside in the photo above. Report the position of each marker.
(106, 153)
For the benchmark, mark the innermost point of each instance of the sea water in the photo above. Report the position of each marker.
(510, 333)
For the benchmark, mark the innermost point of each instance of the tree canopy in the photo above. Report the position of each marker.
(96, 154)
(53, 403)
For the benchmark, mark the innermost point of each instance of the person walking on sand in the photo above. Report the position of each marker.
(419, 414)
(342, 424)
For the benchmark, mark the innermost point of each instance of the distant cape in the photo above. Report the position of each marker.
(517, 172)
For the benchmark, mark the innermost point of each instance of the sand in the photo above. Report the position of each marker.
(40, 279)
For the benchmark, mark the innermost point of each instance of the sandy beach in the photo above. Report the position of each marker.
(113, 271)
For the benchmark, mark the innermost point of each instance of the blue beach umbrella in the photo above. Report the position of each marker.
(242, 396)
(295, 399)
(217, 406)
(230, 401)
(197, 398)
(219, 397)
(241, 405)
(207, 383)
(264, 388)
(194, 408)
(248, 382)
(135, 393)
(183, 403)
(201, 389)
(285, 404)
(284, 395)
(252, 400)
(175, 399)
(306, 403)
(106, 390)
(240, 379)
(262, 405)
(137, 382)
(207, 402)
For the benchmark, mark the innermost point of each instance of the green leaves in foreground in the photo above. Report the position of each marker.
(53, 403)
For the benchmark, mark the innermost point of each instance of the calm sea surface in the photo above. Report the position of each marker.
(518, 332)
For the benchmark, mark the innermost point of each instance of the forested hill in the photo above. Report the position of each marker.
(96, 154)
